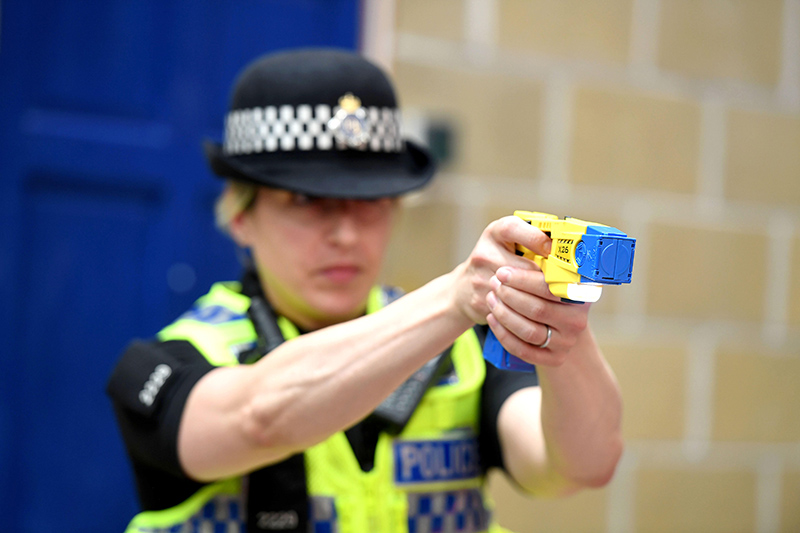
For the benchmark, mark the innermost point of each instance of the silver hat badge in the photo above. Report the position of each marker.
(349, 124)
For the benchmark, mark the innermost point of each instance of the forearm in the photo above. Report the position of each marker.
(564, 435)
(240, 418)
(334, 377)
(581, 415)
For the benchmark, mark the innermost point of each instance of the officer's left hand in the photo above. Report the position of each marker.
(522, 308)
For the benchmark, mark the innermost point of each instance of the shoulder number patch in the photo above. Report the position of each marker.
(154, 383)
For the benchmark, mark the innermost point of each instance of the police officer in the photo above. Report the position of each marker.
(293, 400)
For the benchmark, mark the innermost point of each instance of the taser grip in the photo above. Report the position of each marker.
(494, 352)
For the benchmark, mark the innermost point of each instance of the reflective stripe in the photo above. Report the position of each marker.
(461, 511)
(212, 314)
(322, 515)
(223, 513)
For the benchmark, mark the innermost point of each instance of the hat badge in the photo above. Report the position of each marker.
(349, 123)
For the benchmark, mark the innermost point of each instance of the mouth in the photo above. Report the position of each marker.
(340, 274)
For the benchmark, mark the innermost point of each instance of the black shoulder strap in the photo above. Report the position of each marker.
(481, 330)
(277, 495)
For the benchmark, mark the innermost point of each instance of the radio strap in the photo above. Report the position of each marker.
(277, 495)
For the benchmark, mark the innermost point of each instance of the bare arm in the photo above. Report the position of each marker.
(239, 418)
(572, 436)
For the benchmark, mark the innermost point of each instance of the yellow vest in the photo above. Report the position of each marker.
(425, 479)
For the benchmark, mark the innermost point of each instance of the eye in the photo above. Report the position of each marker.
(302, 200)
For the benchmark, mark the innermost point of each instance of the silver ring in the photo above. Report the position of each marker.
(547, 340)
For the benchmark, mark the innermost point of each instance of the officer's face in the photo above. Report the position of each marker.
(317, 257)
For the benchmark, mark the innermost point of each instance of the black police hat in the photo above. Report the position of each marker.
(320, 122)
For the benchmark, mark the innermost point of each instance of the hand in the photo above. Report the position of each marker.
(522, 307)
(495, 249)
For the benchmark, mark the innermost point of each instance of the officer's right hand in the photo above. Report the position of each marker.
(494, 249)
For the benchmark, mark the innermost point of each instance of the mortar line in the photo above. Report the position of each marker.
(471, 201)
(378, 32)
(789, 79)
(711, 172)
(556, 143)
(779, 272)
(700, 385)
(645, 22)
(636, 219)
(621, 501)
(768, 494)
(480, 22)
(424, 50)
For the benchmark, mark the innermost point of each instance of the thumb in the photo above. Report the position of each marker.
(512, 230)
(535, 240)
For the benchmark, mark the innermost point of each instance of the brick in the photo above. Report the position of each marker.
(652, 379)
(443, 19)
(794, 288)
(592, 30)
(422, 245)
(790, 508)
(635, 141)
(763, 158)
(705, 273)
(585, 512)
(497, 119)
(687, 500)
(756, 397)
(722, 39)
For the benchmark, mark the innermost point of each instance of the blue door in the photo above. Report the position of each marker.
(106, 203)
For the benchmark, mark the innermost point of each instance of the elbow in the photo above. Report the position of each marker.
(606, 466)
(263, 428)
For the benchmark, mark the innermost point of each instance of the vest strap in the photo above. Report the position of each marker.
(277, 496)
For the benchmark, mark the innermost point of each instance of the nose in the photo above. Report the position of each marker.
(344, 223)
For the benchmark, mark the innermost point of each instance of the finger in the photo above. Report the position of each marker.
(528, 331)
(568, 319)
(512, 230)
(525, 351)
(527, 280)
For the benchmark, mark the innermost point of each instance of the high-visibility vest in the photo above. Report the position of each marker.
(427, 478)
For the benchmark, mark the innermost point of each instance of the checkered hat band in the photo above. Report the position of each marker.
(289, 128)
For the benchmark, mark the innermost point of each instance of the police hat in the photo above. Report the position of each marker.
(320, 122)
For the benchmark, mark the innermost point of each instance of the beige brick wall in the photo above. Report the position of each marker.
(584, 512)
(497, 119)
(695, 500)
(597, 30)
(757, 396)
(442, 18)
(635, 140)
(699, 272)
(763, 163)
(790, 510)
(652, 378)
(411, 262)
(677, 121)
(737, 40)
(793, 288)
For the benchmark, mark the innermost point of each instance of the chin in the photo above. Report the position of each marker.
(335, 307)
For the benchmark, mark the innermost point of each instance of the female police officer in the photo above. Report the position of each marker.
(310, 436)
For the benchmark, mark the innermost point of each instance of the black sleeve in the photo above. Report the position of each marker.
(148, 389)
(497, 387)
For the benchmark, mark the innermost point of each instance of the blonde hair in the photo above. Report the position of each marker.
(235, 198)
